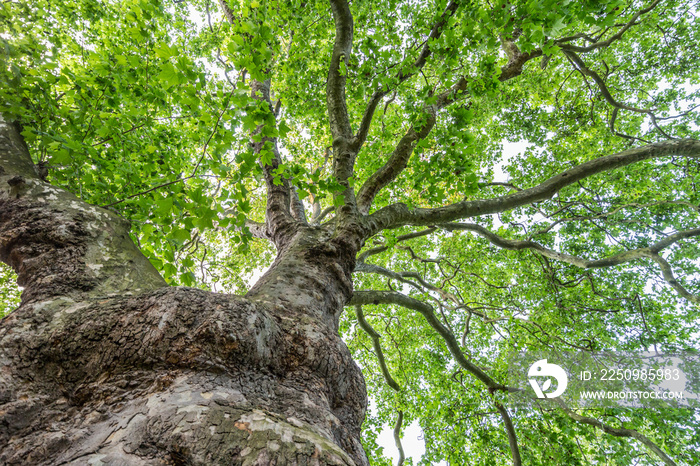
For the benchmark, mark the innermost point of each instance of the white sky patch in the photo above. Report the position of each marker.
(510, 150)
(412, 442)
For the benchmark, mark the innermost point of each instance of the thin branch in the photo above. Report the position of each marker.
(650, 252)
(617, 432)
(667, 273)
(194, 171)
(379, 249)
(392, 297)
(133, 128)
(385, 372)
(617, 36)
(363, 297)
(363, 267)
(403, 74)
(397, 438)
(610, 261)
(364, 325)
(162, 185)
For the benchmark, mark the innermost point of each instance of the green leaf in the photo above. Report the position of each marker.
(164, 206)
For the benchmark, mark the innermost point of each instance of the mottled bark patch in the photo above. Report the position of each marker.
(46, 252)
(175, 376)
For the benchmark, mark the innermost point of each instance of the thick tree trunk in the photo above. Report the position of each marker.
(104, 364)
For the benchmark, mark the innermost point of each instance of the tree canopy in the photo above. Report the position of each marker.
(190, 118)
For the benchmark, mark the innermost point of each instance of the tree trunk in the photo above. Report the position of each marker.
(104, 364)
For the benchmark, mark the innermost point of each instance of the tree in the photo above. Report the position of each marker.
(151, 152)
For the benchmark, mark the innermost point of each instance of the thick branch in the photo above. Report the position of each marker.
(398, 160)
(57, 244)
(397, 215)
(280, 222)
(397, 439)
(343, 152)
(257, 229)
(617, 432)
(322, 214)
(297, 206)
(583, 69)
(335, 88)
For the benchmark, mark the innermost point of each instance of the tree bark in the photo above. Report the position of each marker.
(103, 363)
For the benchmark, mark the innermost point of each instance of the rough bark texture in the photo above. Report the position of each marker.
(104, 364)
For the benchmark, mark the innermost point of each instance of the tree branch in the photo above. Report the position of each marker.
(397, 215)
(343, 152)
(667, 273)
(280, 222)
(510, 431)
(322, 214)
(364, 325)
(379, 249)
(297, 207)
(57, 244)
(617, 36)
(650, 252)
(583, 69)
(397, 439)
(610, 261)
(392, 297)
(335, 88)
(617, 432)
(364, 297)
(402, 75)
(258, 230)
(398, 160)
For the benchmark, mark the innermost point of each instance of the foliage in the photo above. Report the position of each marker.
(9, 294)
(145, 107)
